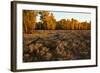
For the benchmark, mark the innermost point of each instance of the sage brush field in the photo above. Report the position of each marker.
(56, 45)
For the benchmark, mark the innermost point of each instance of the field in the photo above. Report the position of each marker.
(56, 45)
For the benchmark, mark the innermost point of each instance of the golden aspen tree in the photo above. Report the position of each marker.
(48, 20)
(72, 24)
(63, 22)
(52, 22)
(29, 20)
(68, 24)
(76, 24)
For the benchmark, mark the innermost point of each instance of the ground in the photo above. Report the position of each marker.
(56, 45)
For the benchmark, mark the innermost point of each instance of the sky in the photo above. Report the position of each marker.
(69, 15)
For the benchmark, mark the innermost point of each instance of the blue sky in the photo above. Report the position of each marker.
(69, 15)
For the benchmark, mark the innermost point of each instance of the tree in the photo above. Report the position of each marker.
(52, 22)
(89, 25)
(86, 25)
(29, 20)
(63, 23)
(47, 20)
(68, 24)
(58, 26)
(44, 18)
(76, 24)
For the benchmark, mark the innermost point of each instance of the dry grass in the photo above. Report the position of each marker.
(55, 45)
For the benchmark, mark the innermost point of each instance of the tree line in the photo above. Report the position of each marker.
(48, 22)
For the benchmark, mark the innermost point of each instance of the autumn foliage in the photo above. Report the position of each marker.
(48, 22)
